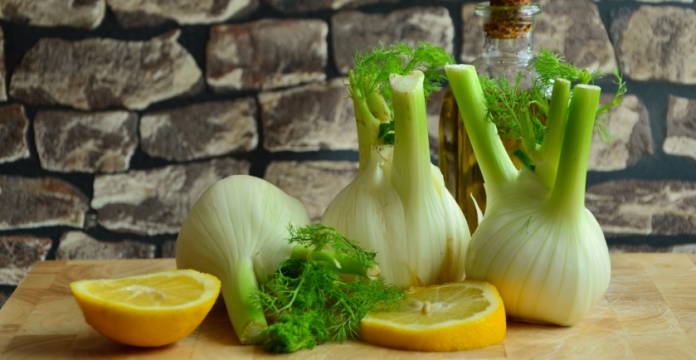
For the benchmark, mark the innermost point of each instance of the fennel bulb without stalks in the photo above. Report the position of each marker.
(397, 205)
(537, 243)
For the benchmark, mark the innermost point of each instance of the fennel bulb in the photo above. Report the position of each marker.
(237, 231)
(537, 243)
(397, 205)
(240, 231)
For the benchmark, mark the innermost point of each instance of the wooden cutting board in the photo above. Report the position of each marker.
(649, 312)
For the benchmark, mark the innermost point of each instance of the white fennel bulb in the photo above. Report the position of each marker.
(397, 205)
(238, 231)
(537, 243)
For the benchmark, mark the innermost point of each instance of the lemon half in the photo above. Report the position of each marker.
(147, 310)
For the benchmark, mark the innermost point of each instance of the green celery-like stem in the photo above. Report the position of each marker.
(343, 265)
(550, 151)
(411, 163)
(368, 130)
(247, 319)
(378, 107)
(493, 160)
(367, 123)
(568, 193)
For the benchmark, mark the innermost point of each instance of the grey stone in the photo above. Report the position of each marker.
(36, 202)
(157, 201)
(169, 249)
(78, 245)
(629, 126)
(266, 54)
(356, 31)
(70, 141)
(573, 29)
(644, 207)
(13, 133)
(3, 89)
(200, 130)
(138, 13)
(102, 73)
(312, 117)
(302, 6)
(684, 249)
(81, 14)
(680, 139)
(18, 254)
(314, 183)
(656, 43)
(642, 248)
(3, 298)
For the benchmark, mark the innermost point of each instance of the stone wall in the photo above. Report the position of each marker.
(116, 115)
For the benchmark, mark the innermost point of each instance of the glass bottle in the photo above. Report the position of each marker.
(508, 42)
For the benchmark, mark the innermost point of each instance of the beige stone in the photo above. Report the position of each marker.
(82, 14)
(680, 139)
(3, 89)
(18, 254)
(13, 133)
(357, 31)
(656, 43)
(39, 202)
(71, 141)
(643, 207)
(308, 118)
(78, 245)
(629, 127)
(266, 54)
(303, 6)
(314, 183)
(137, 13)
(201, 130)
(157, 201)
(102, 73)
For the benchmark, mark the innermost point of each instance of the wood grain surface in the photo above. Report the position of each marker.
(649, 312)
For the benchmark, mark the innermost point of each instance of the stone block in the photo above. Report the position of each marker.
(81, 14)
(201, 130)
(309, 118)
(656, 43)
(266, 54)
(18, 254)
(314, 183)
(631, 138)
(139, 13)
(70, 141)
(303, 6)
(573, 29)
(3, 88)
(157, 201)
(354, 30)
(76, 245)
(103, 73)
(169, 249)
(38, 202)
(13, 133)
(643, 207)
(680, 139)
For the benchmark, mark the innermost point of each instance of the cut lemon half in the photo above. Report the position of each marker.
(147, 310)
(458, 316)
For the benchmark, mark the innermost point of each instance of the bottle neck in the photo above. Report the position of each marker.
(519, 48)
